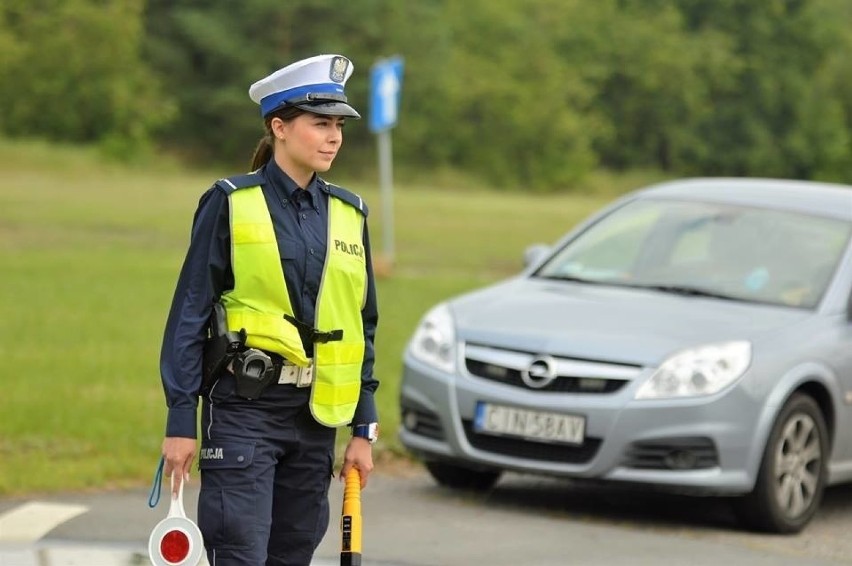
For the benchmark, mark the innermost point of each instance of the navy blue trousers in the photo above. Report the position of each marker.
(266, 466)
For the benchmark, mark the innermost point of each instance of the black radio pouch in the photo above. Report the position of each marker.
(220, 348)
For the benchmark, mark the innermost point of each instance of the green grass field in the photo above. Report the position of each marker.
(90, 253)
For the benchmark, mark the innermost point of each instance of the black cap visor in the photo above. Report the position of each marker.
(329, 109)
(326, 104)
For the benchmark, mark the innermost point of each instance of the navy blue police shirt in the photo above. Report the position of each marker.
(300, 219)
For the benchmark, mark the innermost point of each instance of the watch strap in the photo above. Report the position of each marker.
(369, 431)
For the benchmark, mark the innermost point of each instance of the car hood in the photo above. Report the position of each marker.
(607, 323)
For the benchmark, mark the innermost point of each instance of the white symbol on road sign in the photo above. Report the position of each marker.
(385, 87)
(388, 88)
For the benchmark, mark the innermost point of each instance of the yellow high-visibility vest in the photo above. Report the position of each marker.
(259, 300)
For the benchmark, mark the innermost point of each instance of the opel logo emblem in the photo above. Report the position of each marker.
(540, 373)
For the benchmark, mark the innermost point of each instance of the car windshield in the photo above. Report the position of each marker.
(698, 248)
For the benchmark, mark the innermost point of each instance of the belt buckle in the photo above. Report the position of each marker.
(304, 376)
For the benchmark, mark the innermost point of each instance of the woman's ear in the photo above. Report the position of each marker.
(279, 128)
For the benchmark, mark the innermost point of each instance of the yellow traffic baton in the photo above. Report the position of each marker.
(350, 520)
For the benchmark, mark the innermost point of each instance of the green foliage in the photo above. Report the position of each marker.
(538, 93)
(72, 71)
(534, 94)
(511, 114)
(652, 83)
(778, 113)
(210, 53)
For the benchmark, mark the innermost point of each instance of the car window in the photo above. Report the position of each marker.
(745, 253)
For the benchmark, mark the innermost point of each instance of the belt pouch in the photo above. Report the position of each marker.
(254, 371)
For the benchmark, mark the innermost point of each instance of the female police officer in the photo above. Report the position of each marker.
(283, 260)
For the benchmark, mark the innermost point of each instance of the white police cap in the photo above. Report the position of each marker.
(314, 84)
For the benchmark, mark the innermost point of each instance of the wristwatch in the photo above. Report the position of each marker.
(368, 431)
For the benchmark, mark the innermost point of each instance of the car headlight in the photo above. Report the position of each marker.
(698, 371)
(434, 341)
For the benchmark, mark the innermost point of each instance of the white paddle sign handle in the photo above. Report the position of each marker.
(176, 507)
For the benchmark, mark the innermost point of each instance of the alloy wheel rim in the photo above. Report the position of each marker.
(798, 464)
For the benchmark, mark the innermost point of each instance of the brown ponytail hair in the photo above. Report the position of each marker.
(266, 146)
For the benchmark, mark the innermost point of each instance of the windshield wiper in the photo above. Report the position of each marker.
(571, 278)
(686, 290)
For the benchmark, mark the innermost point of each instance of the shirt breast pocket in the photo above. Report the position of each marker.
(290, 250)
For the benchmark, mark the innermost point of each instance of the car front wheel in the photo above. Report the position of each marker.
(458, 477)
(792, 474)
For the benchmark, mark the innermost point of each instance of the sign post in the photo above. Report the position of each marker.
(385, 89)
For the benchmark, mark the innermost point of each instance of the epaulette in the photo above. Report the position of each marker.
(346, 196)
(231, 184)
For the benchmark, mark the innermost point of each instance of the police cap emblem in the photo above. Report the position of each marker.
(337, 73)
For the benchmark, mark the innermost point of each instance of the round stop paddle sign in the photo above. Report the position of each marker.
(176, 540)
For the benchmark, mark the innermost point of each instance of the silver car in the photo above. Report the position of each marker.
(695, 335)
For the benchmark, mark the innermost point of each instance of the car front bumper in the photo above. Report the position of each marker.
(703, 444)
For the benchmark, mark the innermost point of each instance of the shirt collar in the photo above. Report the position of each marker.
(287, 188)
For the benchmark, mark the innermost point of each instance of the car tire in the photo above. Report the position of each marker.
(458, 477)
(792, 475)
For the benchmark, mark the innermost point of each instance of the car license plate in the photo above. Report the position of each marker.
(532, 425)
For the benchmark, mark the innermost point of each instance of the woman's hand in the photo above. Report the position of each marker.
(358, 455)
(178, 452)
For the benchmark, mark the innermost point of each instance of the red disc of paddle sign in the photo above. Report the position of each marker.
(175, 541)
(174, 546)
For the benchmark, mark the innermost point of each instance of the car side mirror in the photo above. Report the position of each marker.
(535, 253)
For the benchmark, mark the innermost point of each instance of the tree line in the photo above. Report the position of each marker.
(532, 94)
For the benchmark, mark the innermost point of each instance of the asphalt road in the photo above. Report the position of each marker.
(409, 521)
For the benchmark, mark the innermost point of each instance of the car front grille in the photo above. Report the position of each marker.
(571, 375)
(530, 449)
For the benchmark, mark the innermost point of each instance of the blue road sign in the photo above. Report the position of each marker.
(385, 88)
